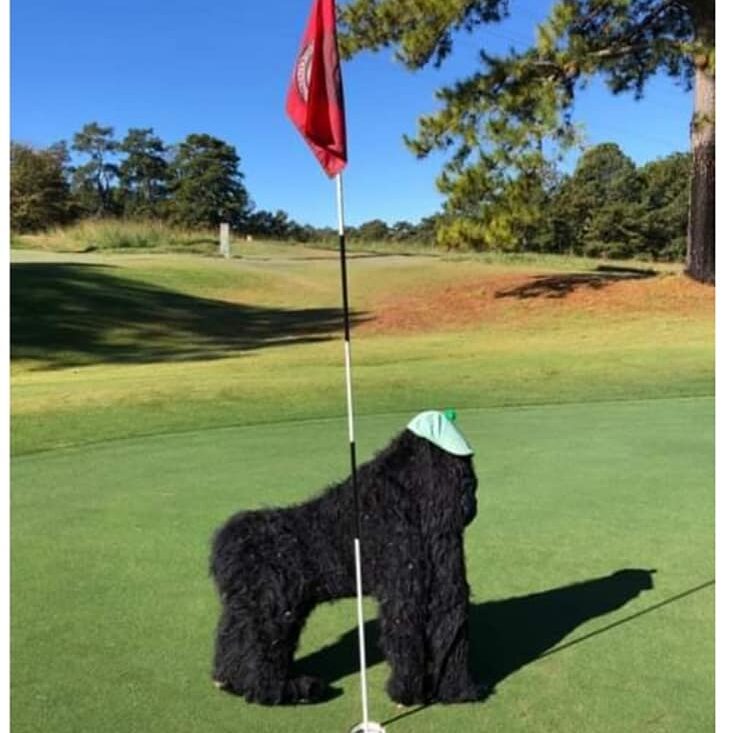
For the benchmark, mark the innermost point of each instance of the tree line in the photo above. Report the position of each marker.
(278, 225)
(194, 183)
(606, 207)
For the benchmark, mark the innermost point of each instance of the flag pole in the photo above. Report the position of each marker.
(352, 451)
(315, 104)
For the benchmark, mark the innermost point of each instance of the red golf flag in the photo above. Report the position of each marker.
(315, 100)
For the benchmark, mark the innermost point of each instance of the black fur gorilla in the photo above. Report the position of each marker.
(273, 566)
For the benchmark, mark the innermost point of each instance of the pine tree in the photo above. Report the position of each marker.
(206, 184)
(501, 123)
(93, 181)
(143, 173)
(665, 197)
(39, 192)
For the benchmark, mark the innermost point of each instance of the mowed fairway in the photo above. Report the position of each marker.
(154, 395)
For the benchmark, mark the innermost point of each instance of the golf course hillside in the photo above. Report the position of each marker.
(111, 346)
(156, 393)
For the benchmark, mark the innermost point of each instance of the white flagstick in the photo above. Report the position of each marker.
(366, 726)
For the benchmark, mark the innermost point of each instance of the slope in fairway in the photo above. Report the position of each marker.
(113, 612)
(112, 346)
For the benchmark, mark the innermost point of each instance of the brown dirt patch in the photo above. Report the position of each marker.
(525, 296)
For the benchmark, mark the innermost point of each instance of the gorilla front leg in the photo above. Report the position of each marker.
(402, 639)
(447, 626)
(396, 574)
(450, 678)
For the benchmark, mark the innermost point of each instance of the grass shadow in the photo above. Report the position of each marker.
(561, 285)
(508, 634)
(71, 314)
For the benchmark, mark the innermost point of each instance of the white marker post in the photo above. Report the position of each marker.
(224, 239)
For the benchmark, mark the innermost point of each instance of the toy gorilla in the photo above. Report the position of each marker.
(273, 566)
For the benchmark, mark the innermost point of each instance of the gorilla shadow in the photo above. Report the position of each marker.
(505, 635)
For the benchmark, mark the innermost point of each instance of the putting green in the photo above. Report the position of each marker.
(113, 612)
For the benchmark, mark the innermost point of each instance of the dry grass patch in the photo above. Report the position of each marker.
(519, 297)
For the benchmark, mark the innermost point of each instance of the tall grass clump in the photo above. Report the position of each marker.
(92, 235)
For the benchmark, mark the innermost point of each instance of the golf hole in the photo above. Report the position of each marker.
(370, 727)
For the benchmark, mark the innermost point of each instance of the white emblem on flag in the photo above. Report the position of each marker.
(303, 71)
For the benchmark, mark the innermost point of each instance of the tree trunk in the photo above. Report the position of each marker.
(700, 264)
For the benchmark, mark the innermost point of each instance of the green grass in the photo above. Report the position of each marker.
(113, 613)
(152, 395)
(114, 346)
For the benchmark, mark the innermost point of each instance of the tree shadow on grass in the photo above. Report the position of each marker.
(561, 285)
(508, 634)
(72, 314)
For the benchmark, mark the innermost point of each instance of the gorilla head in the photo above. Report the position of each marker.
(433, 463)
(450, 457)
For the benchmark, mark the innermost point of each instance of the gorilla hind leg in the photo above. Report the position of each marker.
(254, 659)
(232, 651)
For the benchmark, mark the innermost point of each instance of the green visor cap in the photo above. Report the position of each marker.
(438, 429)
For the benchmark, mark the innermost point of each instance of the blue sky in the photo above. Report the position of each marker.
(223, 67)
